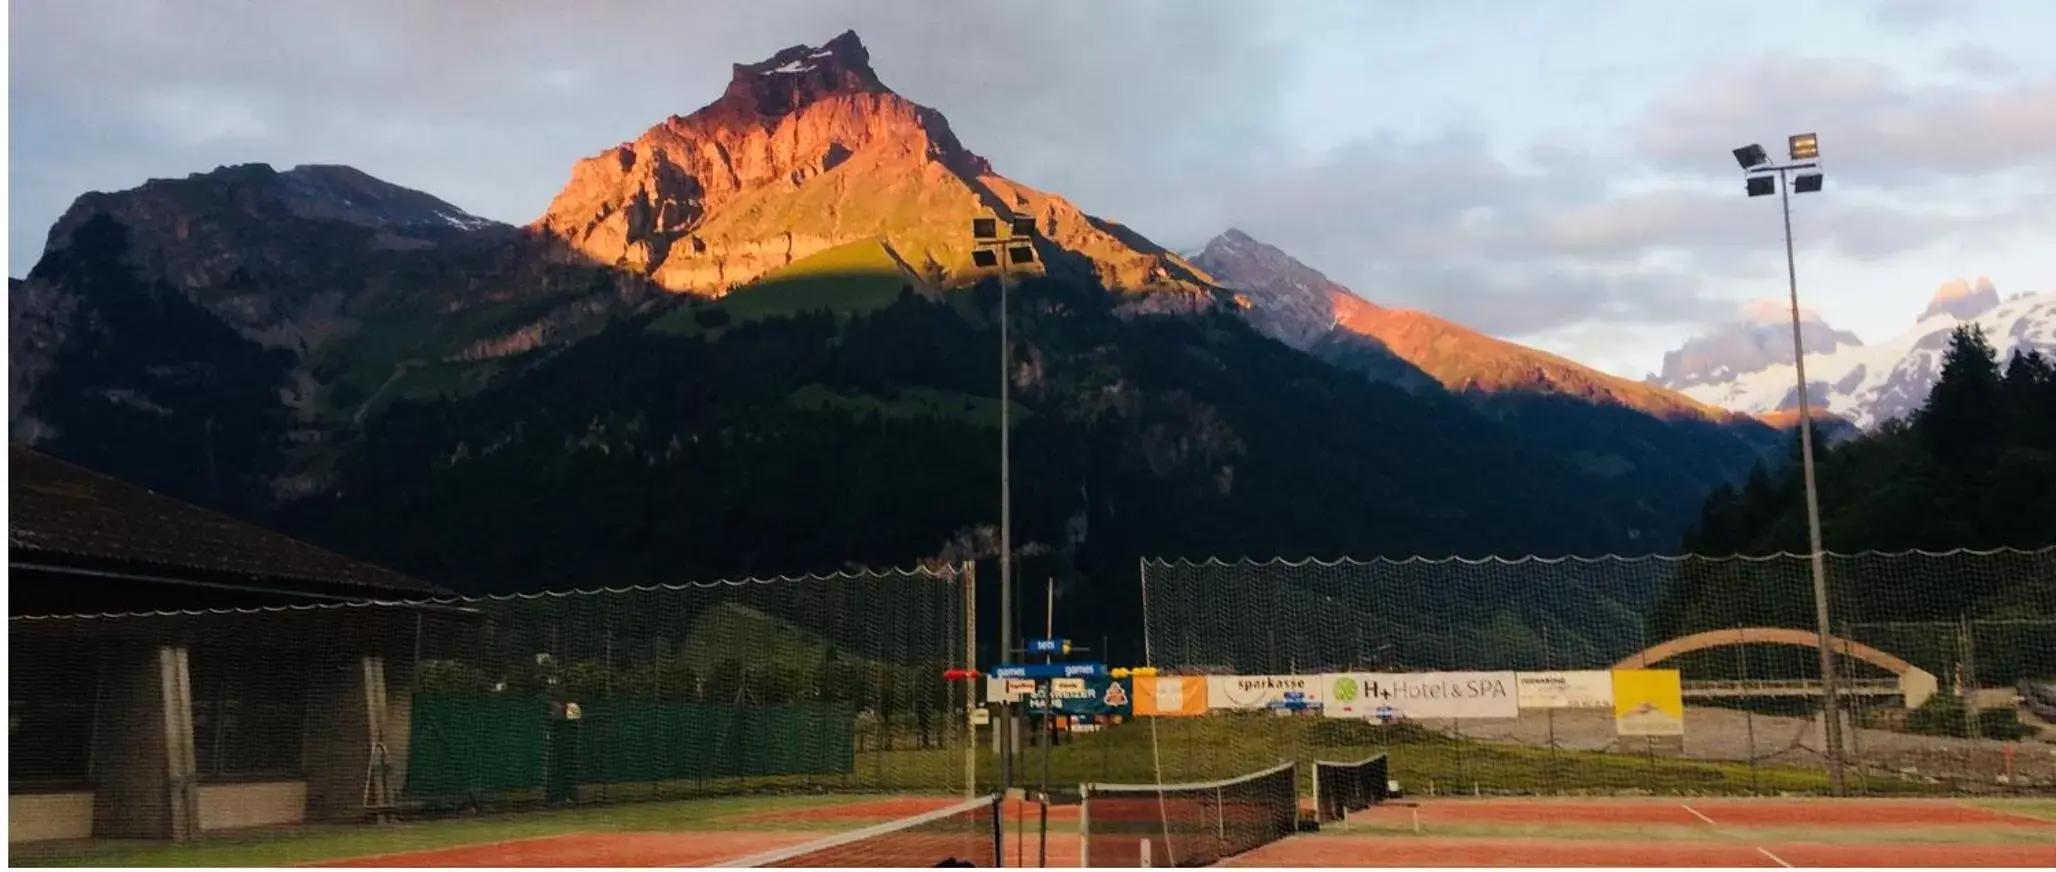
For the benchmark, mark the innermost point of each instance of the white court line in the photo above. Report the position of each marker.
(1698, 814)
(1774, 858)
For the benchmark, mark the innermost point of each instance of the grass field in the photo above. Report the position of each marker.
(292, 846)
(1201, 749)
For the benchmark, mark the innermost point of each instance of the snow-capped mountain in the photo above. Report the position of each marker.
(1761, 337)
(1871, 384)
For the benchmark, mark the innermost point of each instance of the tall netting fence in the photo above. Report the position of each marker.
(1671, 675)
(832, 683)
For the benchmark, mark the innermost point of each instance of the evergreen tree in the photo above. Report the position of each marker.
(1963, 422)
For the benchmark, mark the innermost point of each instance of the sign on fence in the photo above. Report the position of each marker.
(1421, 695)
(1257, 692)
(1171, 695)
(1084, 696)
(1648, 702)
(1589, 688)
(1049, 670)
(1008, 689)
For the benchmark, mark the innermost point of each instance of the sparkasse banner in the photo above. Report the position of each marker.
(1590, 688)
(1261, 691)
(1421, 695)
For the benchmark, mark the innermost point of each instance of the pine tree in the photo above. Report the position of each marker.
(1963, 423)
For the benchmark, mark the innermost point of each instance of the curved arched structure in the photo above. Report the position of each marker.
(1915, 683)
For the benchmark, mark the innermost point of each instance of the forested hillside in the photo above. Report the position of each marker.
(1974, 468)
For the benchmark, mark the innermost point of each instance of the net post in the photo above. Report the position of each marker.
(1220, 815)
(1145, 854)
(999, 830)
(1084, 825)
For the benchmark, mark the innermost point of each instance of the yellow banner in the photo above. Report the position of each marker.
(1648, 702)
(1183, 695)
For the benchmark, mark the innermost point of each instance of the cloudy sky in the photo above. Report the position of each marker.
(1555, 171)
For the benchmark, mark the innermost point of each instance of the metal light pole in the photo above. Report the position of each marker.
(1756, 165)
(990, 249)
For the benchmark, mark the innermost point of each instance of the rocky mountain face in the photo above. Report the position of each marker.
(362, 291)
(1761, 337)
(1650, 441)
(807, 151)
(1868, 385)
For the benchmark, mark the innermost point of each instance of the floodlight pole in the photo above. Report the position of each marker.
(1817, 552)
(1006, 525)
(1008, 727)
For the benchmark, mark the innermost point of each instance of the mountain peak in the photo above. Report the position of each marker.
(228, 196)
(1962, 300)
(802, 74)
(807, 151)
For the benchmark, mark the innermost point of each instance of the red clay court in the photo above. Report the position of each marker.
(1677, 832)
(1766, 833)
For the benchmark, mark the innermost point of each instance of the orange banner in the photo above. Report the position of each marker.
(1175, 696)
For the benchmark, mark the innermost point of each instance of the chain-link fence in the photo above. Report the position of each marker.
(832, 683)
(1942, 663)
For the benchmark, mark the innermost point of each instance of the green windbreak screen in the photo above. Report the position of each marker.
(465, 747)
(469, 746)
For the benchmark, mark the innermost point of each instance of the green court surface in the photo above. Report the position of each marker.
(298, 845)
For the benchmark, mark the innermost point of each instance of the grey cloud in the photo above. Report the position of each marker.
(1875, 130)
(1978, 61)
(1444, 225)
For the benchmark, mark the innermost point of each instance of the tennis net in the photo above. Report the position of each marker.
(1341, 788)
(965, 834)
(1194, 824)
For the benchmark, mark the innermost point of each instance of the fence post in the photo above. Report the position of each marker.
(1857, 709)
(970, 575)
(1966, 636)
(1748, 714)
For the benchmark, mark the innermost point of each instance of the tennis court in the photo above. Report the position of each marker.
(1261, 819)
(1755, 832)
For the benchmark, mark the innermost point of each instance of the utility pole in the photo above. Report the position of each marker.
(1805, 153)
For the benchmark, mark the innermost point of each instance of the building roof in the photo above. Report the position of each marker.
(61, 515)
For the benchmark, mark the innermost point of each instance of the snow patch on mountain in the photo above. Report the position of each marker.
(1871, 384)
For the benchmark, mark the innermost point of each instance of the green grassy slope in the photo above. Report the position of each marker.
(855, 277)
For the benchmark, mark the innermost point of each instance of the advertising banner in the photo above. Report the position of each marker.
(1590, 688)
(1259, 692)
(1648, 702)
(1171, 695)
(1085, 696)
(1421, 695)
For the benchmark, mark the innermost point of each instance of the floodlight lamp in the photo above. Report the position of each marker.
(1024, 227)
(1762, 186)
(1805, 146)
(985, 257)
(1021, 254)
(1808, 183)
(1751, 156)
(985, 228)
